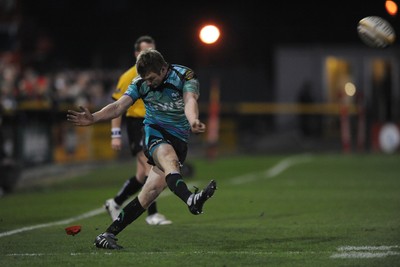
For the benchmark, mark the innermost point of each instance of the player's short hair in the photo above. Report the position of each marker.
(149, 60)
(143, 39)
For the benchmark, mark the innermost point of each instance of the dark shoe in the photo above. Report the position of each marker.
(106, 240)
(197, 200)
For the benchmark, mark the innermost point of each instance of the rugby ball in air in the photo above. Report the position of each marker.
(376, 32)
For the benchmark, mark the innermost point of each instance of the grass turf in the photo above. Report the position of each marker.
(304, 210)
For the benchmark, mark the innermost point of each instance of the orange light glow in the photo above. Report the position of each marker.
(209, 34)
(391, 7)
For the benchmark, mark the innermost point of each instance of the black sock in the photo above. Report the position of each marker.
(130, 213)
(152, 209)
(130, 187)
(178, 186)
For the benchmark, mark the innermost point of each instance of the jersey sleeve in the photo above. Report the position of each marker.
(191, 82)
(133, 91)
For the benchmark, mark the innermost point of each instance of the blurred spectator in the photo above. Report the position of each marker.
(77, 87)
(9, 72)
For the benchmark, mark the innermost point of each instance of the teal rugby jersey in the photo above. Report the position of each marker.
(164, 104)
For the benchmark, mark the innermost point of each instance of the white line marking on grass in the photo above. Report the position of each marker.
(67, 221)
(44, 225)
(366, 248)
(274, 171)
(365, 252)
(27, 254)
(363, 255)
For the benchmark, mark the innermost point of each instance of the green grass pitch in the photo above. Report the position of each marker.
(280, 210)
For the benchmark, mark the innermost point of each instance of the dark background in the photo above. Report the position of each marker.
(67, 52)
(101, 33)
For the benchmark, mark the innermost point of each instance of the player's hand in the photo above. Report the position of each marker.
(116, 143)
(83, 118)
(198, 126)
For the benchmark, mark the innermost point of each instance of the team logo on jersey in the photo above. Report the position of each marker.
(189, 75)
(175, 95)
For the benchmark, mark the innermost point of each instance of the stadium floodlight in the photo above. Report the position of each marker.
(391, 7)
(209, 34)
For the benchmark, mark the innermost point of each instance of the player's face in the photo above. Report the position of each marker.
(145, 46)
(154, 79)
